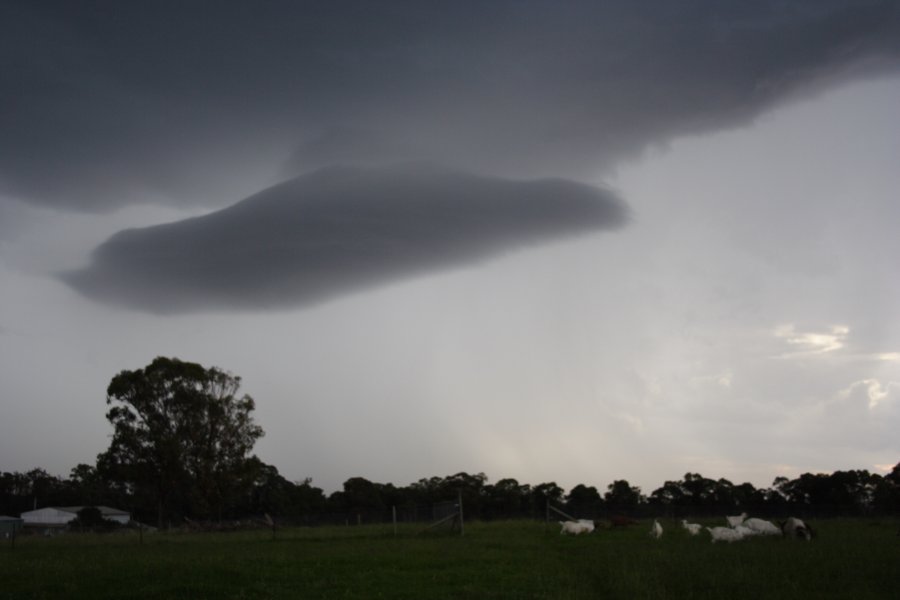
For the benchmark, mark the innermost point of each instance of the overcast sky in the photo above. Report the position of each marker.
(542, 240)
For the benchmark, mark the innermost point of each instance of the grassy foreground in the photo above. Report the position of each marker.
(517, 559)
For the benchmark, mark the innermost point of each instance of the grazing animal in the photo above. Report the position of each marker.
(724, 534)
(735, 521)
(576, 527)
(620, 521)
(692, 528)
(588, 523)
(795, 528)
(762, 527)
(656, 530)
(745, 531)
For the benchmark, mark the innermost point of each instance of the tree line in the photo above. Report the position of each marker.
(853, 492)
(182, 442)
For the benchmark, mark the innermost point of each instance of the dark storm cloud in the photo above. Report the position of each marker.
(335, 231)
(106, 103)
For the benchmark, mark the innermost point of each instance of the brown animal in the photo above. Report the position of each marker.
(620, 521)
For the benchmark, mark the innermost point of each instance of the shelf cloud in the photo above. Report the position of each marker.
(335, 231)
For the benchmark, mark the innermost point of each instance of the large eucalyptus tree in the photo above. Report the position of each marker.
(181, 434)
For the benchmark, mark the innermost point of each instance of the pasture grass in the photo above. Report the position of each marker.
(850, 558)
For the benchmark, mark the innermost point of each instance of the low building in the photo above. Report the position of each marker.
(9, 526)
(60, 516)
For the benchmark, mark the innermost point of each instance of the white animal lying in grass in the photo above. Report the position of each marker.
(735, 521)
(692, 528)
(762, 527)
(796, 528)
(745, 531)
(656, 530)
(724, 534)
(576, 527)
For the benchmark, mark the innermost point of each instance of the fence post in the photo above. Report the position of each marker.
(461, 526)
(394, 517)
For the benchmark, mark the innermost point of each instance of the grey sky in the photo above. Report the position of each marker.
(741, 322)
(208, 102)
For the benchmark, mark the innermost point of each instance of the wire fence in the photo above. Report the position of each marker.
(448, 516)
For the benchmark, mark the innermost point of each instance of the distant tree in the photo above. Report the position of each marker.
(747, 497)
(470, 487)
(181, 433)
(426, 490)
(270, 493)
(90, 518)
(85, 482)
(360, 493)
(810, 489)
(886, 497)
(14, 493)
(391, 495)
(306, 497)
(44, 489)
(507, 498)
(778, 496)
(853, 490)
(276, 496)
(584, 500)
(621, 495)
(700, 490)
(543, 492)
(671, 493)
(894, 475)
(89, 487)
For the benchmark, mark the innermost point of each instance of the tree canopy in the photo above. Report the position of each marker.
(181, 434)
(809, 495)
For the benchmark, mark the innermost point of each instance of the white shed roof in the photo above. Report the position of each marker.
(62, 514)
(106, 511)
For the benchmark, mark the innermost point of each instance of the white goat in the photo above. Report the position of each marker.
(745, 531)
(692, 528)
(794, 527)
(724, 534)
(735, 521)
(576, 527)
(656, 531)
(762, 526)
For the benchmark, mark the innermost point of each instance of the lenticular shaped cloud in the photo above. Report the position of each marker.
(185, 102)
(336, 231)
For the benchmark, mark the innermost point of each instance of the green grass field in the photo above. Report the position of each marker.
(852, 559)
